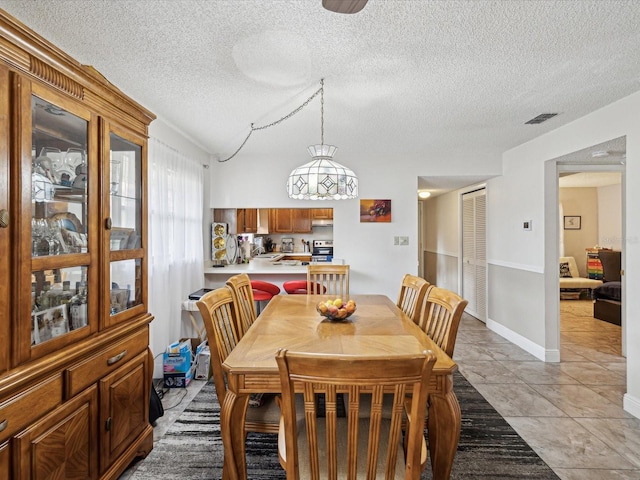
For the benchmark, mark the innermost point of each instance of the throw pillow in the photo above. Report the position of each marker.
(564, 270)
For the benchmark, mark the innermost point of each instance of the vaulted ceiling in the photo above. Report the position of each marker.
(438, 79)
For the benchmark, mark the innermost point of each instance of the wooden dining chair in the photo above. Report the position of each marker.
(220, 316)
(412, 294)
(440, 317)
(362, 442)
(334, 279)
(242, 293)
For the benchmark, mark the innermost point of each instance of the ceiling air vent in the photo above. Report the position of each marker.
(543, 117)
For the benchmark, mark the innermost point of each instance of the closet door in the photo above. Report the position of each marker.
(474, 259)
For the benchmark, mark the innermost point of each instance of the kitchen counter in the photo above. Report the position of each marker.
(257, 267)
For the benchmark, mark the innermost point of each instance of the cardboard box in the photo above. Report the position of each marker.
(178, 362)
(178, 379)
(203, 362)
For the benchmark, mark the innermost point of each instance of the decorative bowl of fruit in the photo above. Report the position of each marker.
(336, 310)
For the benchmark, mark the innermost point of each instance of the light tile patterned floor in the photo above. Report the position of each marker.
(569, 412)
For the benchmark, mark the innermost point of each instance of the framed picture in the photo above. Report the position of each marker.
(375, 211)
(572, 222)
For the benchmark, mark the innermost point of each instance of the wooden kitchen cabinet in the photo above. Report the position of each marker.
(322, 213)
(73, 269)
(247, 220)
(290, 220)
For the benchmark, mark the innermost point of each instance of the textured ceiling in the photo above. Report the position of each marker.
(432, 79)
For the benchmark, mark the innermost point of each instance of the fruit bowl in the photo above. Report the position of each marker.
(336, 310)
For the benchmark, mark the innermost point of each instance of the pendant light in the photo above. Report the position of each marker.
(322, 178)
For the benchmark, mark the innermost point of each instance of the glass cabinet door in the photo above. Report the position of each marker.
(59, 234)
(125, 225)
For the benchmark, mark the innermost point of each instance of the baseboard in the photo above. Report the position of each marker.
(546, 355)
(631, 405)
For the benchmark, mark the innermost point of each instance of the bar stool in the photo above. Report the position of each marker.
(299, 287)
(263, 292)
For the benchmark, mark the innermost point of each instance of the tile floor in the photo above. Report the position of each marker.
(569, 412)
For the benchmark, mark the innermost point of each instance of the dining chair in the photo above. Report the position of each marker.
(440, 317)
(333, 278)
(316, 447)
(412, 293)
(220, 315)
(242, 293)
(248, 294)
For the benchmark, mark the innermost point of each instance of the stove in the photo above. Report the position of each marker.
(322, 251)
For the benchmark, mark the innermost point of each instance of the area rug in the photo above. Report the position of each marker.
(192, 448)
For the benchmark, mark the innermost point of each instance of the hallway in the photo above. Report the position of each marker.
(571, 412)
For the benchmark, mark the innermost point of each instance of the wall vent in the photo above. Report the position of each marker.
(543, 117)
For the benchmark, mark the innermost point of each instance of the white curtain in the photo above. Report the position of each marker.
(175, 240)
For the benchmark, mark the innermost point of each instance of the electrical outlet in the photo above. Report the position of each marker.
(526, 225)
(404, 240)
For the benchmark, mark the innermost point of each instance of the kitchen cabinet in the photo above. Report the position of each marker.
(290, 220)
(73, 289)
(322, 213)
(247, 220)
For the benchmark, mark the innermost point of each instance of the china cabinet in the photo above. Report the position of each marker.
(75, 367)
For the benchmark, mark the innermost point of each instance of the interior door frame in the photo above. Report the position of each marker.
(552, 243)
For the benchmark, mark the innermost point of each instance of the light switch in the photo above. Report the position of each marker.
(526, 225)
(404, 240)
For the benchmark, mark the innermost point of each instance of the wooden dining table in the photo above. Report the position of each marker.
(378, 327)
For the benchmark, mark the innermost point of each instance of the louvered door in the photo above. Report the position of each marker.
(474, 259)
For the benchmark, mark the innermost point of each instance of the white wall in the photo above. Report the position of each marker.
(610, 217)
(528, 190)
(583, 202)
(377, 266)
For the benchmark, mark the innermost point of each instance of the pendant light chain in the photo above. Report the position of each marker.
(286, 117)
(322, 111)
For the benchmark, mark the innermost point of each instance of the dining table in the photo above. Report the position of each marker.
(377, 327)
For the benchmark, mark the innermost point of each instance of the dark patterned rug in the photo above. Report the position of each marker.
(192, 449)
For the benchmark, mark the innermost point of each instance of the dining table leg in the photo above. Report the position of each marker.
(232, 416)
(443, 429)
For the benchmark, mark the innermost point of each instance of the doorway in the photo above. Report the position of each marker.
(595, 198)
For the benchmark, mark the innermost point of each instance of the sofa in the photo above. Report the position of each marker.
(607, 303)
(571, 283)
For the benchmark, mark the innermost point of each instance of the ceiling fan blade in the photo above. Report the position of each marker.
(344, 6)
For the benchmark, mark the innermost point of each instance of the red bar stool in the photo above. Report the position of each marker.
(299, 287)
(263, 292)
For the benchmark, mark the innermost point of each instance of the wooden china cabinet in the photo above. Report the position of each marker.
(75, 364)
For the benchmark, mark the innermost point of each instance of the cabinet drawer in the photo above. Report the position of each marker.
(28, 406)
(89, 371)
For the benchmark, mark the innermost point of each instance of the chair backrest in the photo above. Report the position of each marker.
(378, 444)
(412, 293)
(334, 278)
(242, 292)
(611, 265)
(440, 317)
(220, 317)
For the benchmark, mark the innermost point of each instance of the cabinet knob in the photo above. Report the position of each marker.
(4, 218)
